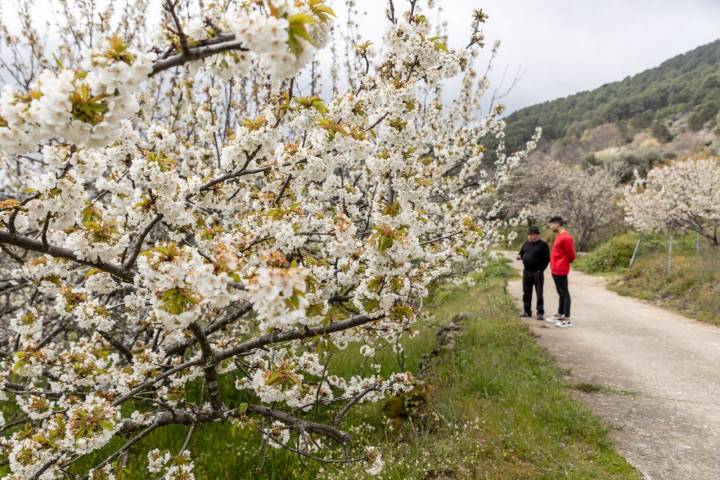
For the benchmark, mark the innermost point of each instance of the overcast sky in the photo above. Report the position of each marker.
(562, 46)
(566, 46)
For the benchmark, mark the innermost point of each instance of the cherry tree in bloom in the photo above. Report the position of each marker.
(683, 195)
(177, 211)
(586, 198)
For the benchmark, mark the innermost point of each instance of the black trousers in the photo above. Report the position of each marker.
(561, 284)
(533, 280)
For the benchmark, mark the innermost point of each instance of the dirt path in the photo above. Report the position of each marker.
(669, 425)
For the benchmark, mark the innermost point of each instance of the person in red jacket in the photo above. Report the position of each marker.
(561, 256)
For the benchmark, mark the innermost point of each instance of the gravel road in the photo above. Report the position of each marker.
(659, 373)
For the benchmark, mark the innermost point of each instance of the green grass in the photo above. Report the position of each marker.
(613, 256)
(493, 407)
(693, 287)
(502, 409)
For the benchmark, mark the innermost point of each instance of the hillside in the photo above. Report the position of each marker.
(672, 109)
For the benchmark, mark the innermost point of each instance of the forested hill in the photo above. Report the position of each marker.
(685, 87)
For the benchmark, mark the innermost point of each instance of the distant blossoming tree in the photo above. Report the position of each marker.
(684, 195)
(177, 211)
(587, 199)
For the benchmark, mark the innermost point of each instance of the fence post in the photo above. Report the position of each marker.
(670, 248)
(635, 251)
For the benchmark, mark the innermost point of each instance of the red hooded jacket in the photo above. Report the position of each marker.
(562, 254)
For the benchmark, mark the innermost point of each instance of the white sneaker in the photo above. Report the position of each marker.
(555, 318)
(564, 323)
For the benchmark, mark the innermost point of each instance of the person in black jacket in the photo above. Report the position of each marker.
(535, 255)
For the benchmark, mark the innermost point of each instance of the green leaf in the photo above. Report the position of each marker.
(439, 45)
(320, 10)
(375, 284)
(385, 243)
(92, 271)
(178, 300)
(314, 310)
(283, 377)
(319, 105)
(297, 31)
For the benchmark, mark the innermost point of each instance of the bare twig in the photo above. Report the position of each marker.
(190, 417)
(353, 401)
(391, 11)
(377, 122)
(227, 44)
(43, 236)
(119, 346)
(139, 242)
(282, 190)
(169, 7)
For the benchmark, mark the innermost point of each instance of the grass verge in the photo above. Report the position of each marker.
(692, 288)
(498, 407)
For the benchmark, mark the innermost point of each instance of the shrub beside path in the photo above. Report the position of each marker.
(652, 375)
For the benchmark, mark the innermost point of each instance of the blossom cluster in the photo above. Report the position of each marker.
(285, 41)
(167, 467)
(77, 106)
(682, 195)
(175, 227)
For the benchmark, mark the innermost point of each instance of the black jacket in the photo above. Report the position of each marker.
(535, 256)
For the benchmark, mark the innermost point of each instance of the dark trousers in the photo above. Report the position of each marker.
(533, 280)
(561, 284)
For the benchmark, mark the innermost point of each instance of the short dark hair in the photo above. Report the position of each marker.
(533, 231)
(558, 220)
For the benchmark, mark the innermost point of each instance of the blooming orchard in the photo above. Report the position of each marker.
(588, 199)
(178, 210)
(683, 195)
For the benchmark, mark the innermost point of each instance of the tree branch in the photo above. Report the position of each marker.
(169, 7)
(209, 362)
(210, 329)
(300, 424)
(122, 449)
(119, 346)
(28, 243)
(43, 236)
(188, 417)
(299, 334)
(227, 44)
(391, 12)
(231, 176)
(10, 254)
(154, 380)
(139, 242)
(282, 189)
(352, 403)
(256, 343)
(377, 122)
